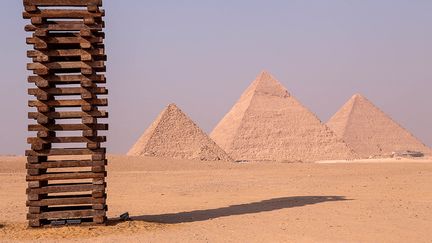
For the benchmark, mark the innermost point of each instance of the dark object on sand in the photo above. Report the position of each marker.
(125, 217)
(58, 222)
(408, 153)
(73, 221)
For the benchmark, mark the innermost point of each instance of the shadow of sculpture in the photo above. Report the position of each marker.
(247, 208)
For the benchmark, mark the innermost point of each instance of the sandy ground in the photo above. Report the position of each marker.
(191, 201)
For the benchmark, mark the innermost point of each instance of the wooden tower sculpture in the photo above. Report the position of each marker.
(66, 163)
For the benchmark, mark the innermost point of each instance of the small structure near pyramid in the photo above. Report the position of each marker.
(268, 124)
(174, 135)
(371, 132)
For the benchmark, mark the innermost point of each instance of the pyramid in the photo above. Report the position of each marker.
(370, 132)
(175, 135)
(267, 123)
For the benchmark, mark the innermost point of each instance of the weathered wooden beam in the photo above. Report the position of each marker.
(66, 200)
(66, 65)
(84, 80)
(66, 176)
(67, 127)
(99, 139)
(85, 55)
(66, 214)
(66, 187)
(65, 26)
(44, 94)
(68, 114)
(68, 103)
(67, 91)
(85, 71)
(71, 151)
(66, 53)
(66, 164)
(63, 14)
(56, 3)
(64, 40)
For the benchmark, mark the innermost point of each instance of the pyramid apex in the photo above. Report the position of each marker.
(265, 83)
(265, 75)
(357, 96)
(265, 72)
(172, 106)
(169, 110)
(359, 99)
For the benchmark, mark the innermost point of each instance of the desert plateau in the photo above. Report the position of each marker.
(170, 200)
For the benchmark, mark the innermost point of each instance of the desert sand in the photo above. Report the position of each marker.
(194, 201)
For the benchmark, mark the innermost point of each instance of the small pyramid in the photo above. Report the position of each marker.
(267, 123)
(370, 132)
(174, 135)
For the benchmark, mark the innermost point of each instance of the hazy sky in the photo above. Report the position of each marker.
(203, 54)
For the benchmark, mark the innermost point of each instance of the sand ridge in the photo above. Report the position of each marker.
(174, 135)
(268, 124)
(371, 132)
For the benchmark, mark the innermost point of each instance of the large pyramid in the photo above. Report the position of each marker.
(267, 123)
(175, 135)
(370, 132)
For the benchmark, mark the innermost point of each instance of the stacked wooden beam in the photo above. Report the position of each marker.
(66, 163)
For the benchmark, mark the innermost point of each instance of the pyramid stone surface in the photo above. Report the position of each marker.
(267, 123)
(174, 135)
(370, 132)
